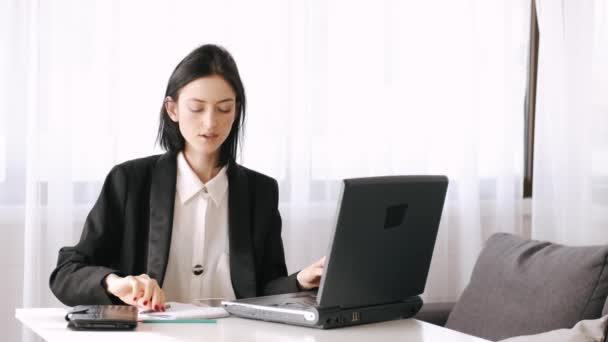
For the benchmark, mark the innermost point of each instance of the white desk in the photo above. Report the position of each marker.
(51, 326)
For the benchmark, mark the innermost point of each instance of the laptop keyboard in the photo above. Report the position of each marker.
(303, 303)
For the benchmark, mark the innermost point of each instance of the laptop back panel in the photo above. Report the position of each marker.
(383, 241)
(378, 258)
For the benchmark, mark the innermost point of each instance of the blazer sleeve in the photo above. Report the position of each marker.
(81, 269)
(274, 278)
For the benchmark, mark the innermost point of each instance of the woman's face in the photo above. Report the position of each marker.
(205, 111)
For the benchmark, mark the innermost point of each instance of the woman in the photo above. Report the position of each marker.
(190, 223)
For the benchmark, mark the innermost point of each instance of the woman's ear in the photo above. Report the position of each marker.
(171, 108)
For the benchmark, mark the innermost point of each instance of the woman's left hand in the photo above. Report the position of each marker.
(310, 277)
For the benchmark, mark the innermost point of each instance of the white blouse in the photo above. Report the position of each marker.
(198, 265)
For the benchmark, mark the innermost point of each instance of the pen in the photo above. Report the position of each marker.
(179, 321)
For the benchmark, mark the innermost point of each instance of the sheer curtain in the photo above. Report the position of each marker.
(570, 201)
(336, 89)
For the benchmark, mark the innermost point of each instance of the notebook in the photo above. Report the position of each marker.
(175, 310)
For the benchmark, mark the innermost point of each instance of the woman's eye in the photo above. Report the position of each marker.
(225, 109)
(197, 109)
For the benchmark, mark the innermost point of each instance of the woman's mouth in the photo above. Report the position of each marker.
(208, 136)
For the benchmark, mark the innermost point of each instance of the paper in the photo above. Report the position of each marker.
(175, 310)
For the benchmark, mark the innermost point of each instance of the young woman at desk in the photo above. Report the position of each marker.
(190, 223)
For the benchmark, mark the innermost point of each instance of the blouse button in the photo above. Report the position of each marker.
(198, 270)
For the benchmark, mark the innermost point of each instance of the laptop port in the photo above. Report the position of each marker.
(356, 316)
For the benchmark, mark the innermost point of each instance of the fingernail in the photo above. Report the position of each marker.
(135, 299)
(145, 302)
(155, 307)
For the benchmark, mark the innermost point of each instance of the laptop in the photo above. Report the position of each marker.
(378, 258)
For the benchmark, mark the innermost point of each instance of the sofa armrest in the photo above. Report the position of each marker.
(435, 313)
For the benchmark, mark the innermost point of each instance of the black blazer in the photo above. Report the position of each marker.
(128, 232)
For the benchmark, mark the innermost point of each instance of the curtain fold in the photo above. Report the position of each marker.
(570, 195)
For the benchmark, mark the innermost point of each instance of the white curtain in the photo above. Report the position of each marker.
(335, 88)
(570, 195)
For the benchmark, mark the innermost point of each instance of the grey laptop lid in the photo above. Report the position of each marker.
(383, 241)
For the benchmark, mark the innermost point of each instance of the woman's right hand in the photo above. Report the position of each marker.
(141, 291)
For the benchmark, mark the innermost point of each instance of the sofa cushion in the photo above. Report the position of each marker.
(524, 287)
(435, 313)
(592, 330)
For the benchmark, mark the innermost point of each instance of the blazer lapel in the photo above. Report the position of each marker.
(242, 265)
(162, 200)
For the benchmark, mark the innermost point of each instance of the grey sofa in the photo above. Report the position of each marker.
(524, 287)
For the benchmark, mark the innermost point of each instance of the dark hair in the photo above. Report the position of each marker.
(206, 60)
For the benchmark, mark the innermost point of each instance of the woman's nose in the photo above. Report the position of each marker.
(210, 119)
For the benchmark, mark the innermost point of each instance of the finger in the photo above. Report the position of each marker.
(156, 297)
(148, 292)
(135, 287)
(320, 262)
(319, 272)
(163, 300)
